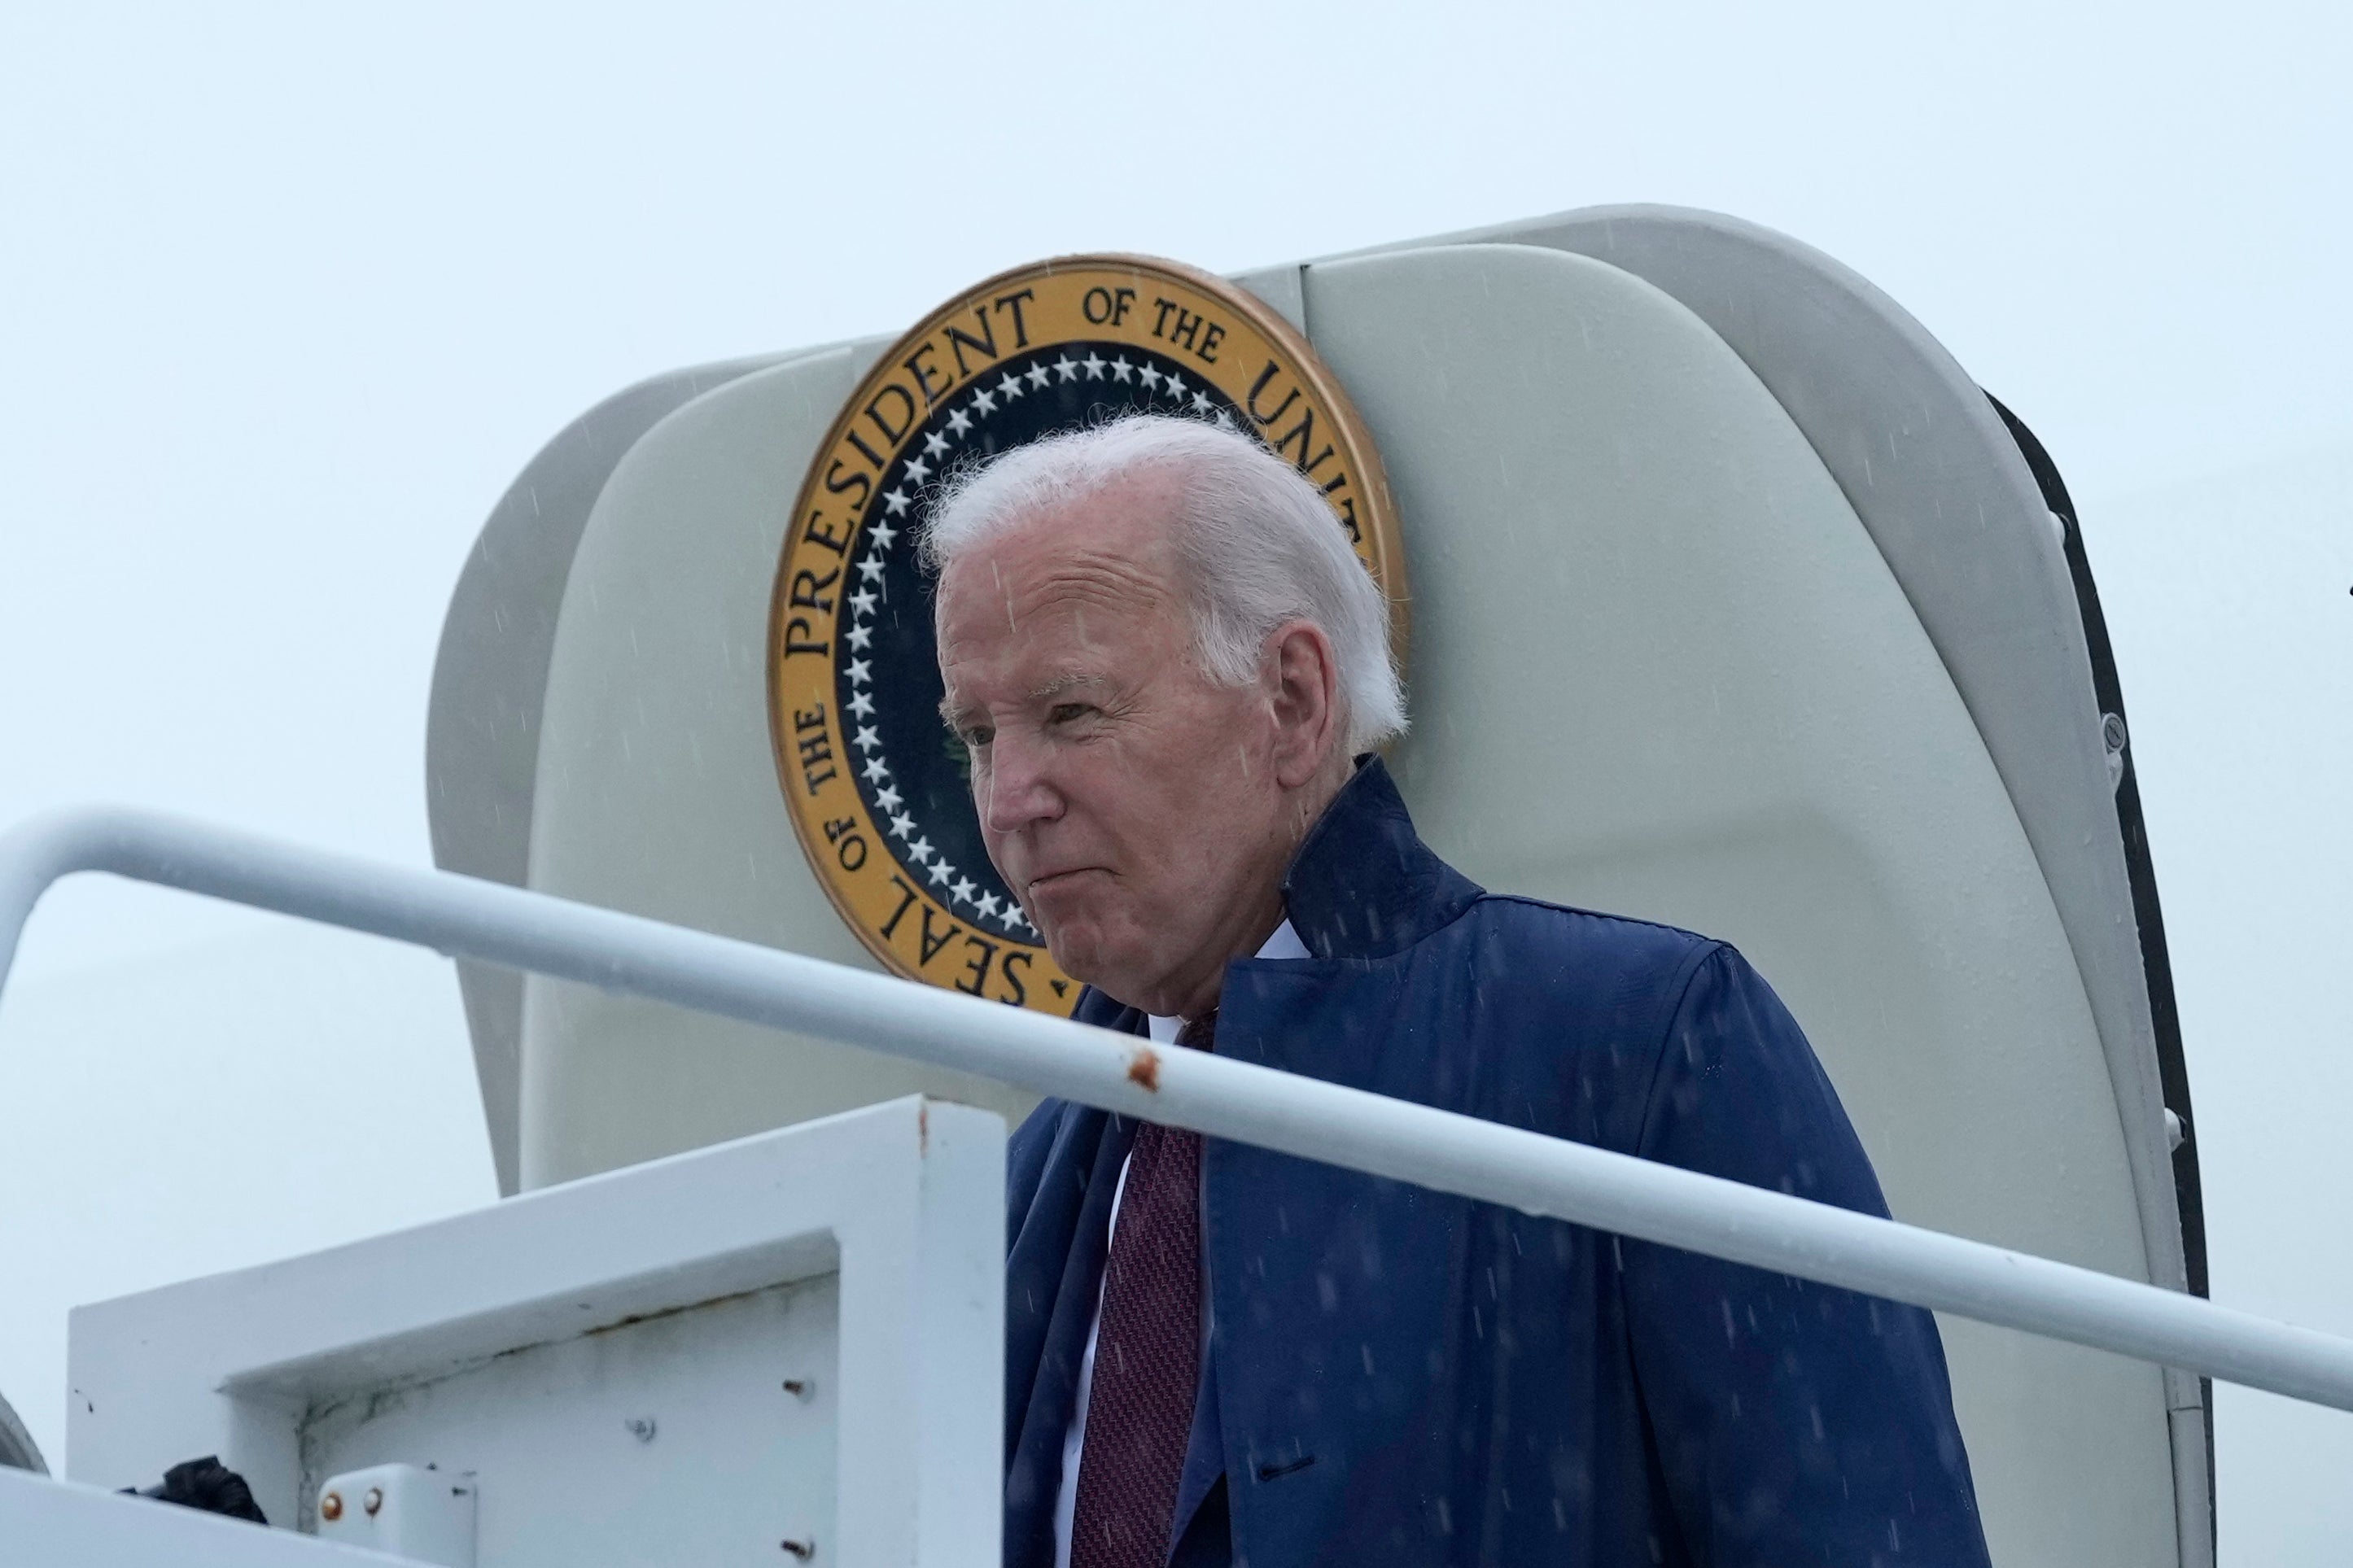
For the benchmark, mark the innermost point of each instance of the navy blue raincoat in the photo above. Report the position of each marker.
(1400, 1377)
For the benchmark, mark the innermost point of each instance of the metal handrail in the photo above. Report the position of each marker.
(459, 915)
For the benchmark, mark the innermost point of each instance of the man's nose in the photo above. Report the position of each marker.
(1018, 790)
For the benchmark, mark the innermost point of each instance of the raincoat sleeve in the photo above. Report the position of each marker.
(1790, 1422)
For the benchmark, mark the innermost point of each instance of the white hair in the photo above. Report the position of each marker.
(1259, 544)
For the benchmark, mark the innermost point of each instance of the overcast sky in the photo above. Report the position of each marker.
(286, 296)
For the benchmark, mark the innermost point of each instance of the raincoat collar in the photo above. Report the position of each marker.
(1363, 885)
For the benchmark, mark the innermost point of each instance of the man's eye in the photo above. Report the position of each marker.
(978, 737)
(1064, 713)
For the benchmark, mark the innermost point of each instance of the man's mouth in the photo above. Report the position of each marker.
(1053, 879)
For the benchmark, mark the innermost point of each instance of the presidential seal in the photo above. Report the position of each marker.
(877, 787)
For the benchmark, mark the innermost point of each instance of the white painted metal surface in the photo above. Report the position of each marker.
(609, 1360)
(48, 1523)
(415, 1511)
(489, 676)
(1692, 691)
(1210, 1094)
(640, 1442)
(656, 792)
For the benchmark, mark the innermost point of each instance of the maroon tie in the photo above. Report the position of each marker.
(1147, 1352)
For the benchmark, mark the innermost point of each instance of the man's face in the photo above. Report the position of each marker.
(1127, 801)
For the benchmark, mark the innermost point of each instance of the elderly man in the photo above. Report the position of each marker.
(1170, 671)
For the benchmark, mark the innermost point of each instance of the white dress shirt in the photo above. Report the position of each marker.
(1283, 944)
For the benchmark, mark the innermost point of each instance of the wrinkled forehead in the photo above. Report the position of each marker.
(1114, 542)
(1070, 587)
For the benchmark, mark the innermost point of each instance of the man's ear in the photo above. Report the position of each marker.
(1304, 681)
